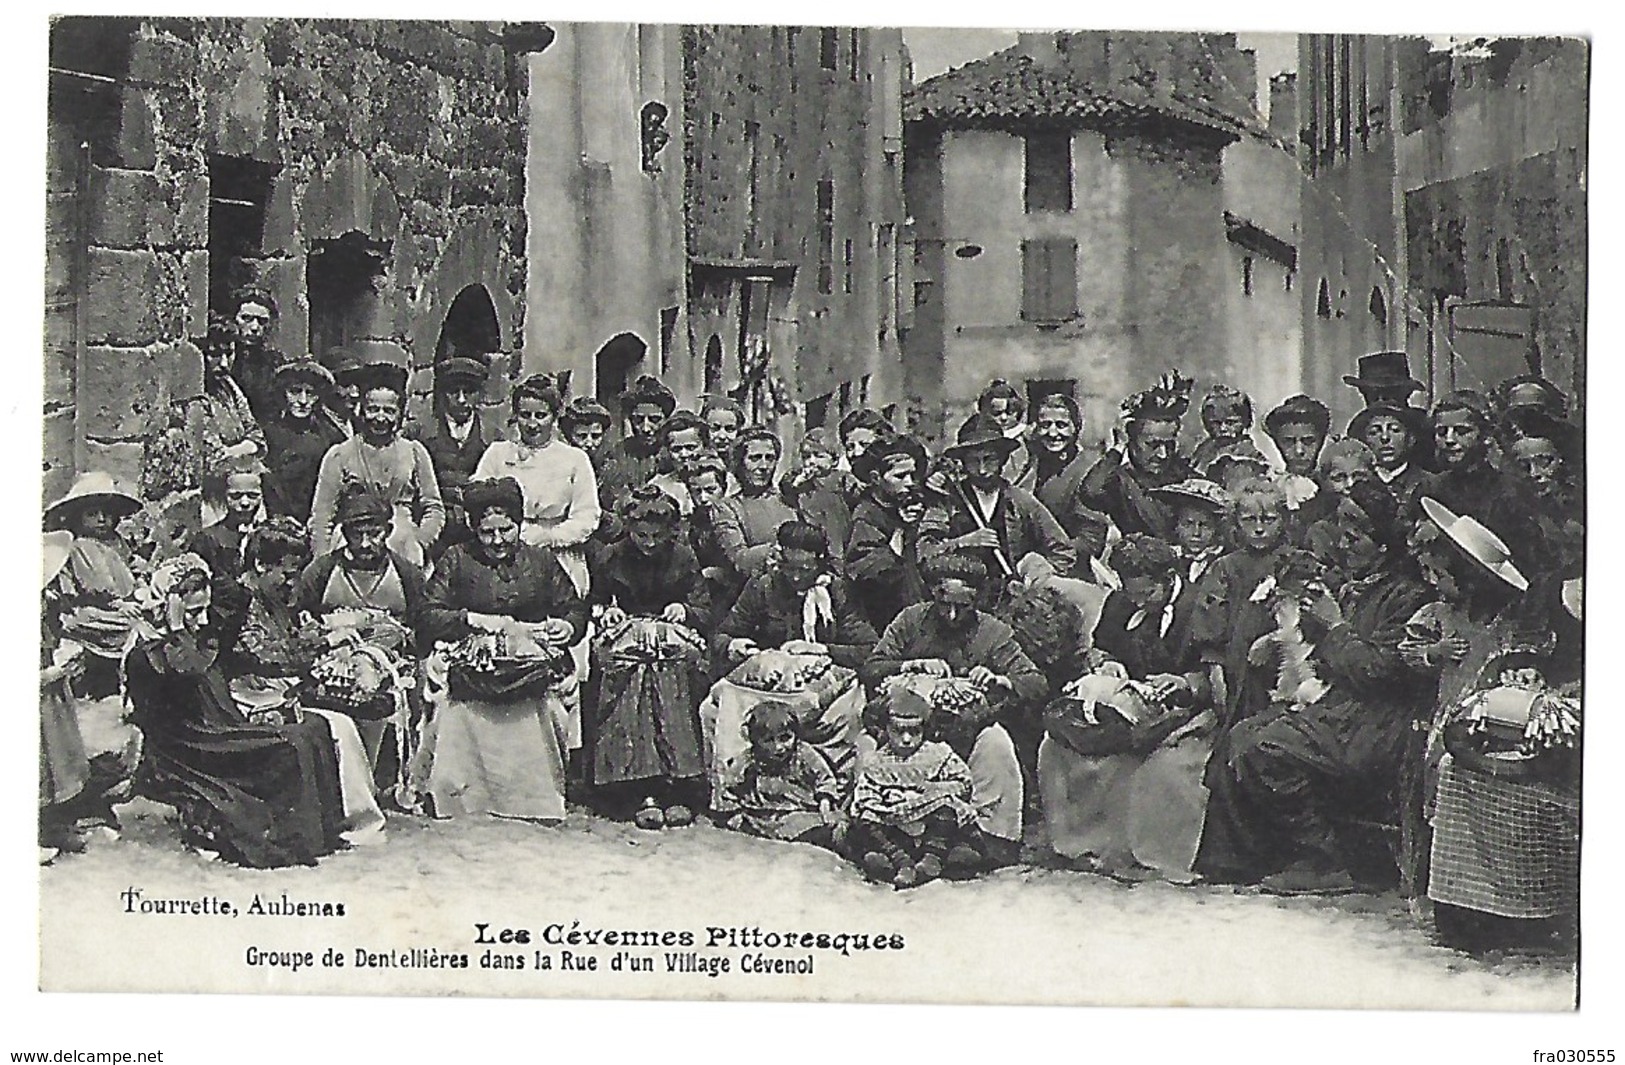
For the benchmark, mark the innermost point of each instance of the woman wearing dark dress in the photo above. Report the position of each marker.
(651, 674)
(500, 752)
(257, 790)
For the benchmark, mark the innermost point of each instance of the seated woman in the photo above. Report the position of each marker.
(272, 650)
(257, 790)
(363, 575)
(1122, 791)
(497, 741)
(646, 753)
(781, 787)
(797, 606)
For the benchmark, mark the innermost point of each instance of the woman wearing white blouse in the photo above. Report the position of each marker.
(561, 499)
(560, 488)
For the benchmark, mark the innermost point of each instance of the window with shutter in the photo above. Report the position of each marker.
(1049, 279)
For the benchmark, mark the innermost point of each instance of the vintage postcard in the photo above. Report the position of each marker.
(813, 513)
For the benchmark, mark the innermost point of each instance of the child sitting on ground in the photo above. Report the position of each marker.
(782, 788)
(911, 804)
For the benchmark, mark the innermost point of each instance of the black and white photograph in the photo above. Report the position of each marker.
(559, 509)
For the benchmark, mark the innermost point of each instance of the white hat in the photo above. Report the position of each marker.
(1574, 597)
(1471, 536)
(57, 546)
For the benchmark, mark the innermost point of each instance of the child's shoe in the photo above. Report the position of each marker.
(678, 816)
(928, 868)
(907, 877)
(649, 815)
(878, 867)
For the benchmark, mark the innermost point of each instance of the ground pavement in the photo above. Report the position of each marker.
(1024, 934)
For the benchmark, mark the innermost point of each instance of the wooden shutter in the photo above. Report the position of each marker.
(1049, 279)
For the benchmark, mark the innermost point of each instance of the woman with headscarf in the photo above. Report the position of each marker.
(502, 614)
(258, 789)
(1059, 464)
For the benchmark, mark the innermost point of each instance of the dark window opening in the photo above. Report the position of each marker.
(846, 270)
(864, 389)
(89, 59)
(239, 190)
(1048, 171)
(341, 283)
(1323, 303)
(846, 396)
(1379, 306)
(829, 47)
(1246, 275)
(668, 336)
(818, 411)
(1049, 279)
(826, 236)
(852, 54)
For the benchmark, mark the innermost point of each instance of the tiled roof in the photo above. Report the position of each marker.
(1011, 87)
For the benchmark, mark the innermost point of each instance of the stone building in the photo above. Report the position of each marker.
(1069, 203)
(1458, 177)
(721, 206)
(793, 145)
(369, 174)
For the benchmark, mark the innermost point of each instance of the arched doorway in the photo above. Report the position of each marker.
(713, 365)
(470, 328)
(614, 366)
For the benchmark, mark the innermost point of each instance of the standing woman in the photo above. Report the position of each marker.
(492, 751)
(63, 767)
(1059, 464)
(398, 470)
(555, 477)
(561, 498)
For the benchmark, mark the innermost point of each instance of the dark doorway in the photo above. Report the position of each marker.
(614, 366)
(471, 329)
(341, 281)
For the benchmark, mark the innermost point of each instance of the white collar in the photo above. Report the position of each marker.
(1390, 476)
(1166, 622)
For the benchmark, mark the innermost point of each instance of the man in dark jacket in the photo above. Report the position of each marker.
(454, 437)
(881, 557)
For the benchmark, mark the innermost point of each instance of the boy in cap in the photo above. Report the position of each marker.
(454, 437)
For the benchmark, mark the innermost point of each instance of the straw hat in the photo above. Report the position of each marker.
(1195, 490)
(57, 546)
(1469, 534)
(92, 486)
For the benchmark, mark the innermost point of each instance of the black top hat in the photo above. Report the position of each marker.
(1384, 369)
(1299, 409)
(461, 369)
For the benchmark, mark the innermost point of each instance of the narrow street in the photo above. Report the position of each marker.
(1029, 935)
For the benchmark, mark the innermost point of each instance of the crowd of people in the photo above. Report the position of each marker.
(1311, 661)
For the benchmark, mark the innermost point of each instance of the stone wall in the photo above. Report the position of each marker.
(408, 133)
